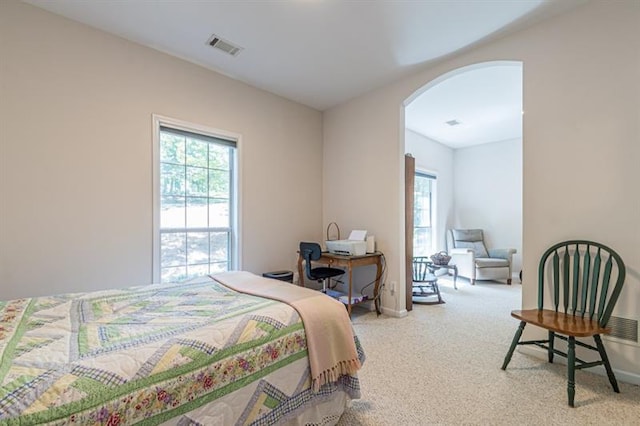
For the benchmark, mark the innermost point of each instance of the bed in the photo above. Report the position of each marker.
(206, 352)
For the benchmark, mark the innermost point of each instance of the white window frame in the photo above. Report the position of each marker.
(236, 206)
(433, 205)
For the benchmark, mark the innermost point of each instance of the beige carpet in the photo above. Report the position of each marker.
(441, 365)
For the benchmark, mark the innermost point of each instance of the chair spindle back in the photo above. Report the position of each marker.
(580, 284)
(421, 271)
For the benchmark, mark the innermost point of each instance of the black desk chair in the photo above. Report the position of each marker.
(310, 252)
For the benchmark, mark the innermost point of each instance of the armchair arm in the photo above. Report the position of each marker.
(503, 254)
(465, 260)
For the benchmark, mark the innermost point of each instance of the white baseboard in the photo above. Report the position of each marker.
(621, 375)
(393, 313)
(370, 306)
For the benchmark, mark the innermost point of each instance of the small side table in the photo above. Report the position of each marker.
(435, 267)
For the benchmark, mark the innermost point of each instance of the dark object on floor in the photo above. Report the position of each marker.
(425, 283)
(312, 251)
(584, 295)
(280, 275)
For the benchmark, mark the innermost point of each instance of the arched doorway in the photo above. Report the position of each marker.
(464, 130)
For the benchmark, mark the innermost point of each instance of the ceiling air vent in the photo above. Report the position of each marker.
(224, 45)
(452, 122)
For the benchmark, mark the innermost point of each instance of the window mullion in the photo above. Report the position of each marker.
(214, 229)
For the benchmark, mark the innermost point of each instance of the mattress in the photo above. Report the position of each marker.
(196, 353)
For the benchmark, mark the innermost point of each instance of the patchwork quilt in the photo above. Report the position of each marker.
(196, 353)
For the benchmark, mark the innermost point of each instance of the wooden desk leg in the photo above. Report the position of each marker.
(300, 272)
(376, 287)
(350, 286)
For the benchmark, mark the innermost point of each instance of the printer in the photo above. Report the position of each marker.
(356, 245)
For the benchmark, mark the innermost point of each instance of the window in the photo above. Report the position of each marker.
(423, 214)
(195, 204)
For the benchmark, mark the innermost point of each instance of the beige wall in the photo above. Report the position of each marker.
(75, 152)
(488, 194)
(433, 157)
(581, 147)
(76, 156)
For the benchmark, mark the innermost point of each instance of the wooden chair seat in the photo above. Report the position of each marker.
(567, 324)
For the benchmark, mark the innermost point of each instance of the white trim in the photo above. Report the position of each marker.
(400, 290)
(155, 207)
(237, 214)
(621, 375)
(236, 226)
(394, 313)
(426, 171)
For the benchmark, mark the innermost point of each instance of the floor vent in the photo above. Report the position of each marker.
(224, 45)
(623, 328)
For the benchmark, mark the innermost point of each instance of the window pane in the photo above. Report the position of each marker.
(171, 148)
(219, 157)
(423, 215)
(172, 212)
(197, 248)
(172, 179)
(219, 213)
(173, 274)
(196, 212)
(219, 183)
(197, 181)
(219, 246)
(197, 152)
(218, 267)
(196, 188)
(173, 251)
(422, 242)
(198, 270)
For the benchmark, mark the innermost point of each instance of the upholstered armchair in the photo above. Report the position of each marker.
(469, 253)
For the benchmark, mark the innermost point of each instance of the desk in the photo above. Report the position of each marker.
(349, 262)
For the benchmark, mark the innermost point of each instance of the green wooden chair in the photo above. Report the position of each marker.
(583, 296)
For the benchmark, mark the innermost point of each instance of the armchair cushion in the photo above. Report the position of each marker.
(471, 239)
(491, 262)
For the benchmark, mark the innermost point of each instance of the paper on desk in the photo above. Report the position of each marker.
(358, 235)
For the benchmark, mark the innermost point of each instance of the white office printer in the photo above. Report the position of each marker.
(356, 245)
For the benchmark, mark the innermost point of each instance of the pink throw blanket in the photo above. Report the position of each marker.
(325, 320)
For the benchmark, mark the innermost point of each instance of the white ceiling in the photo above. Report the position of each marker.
(316, 52)
(486, 101)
